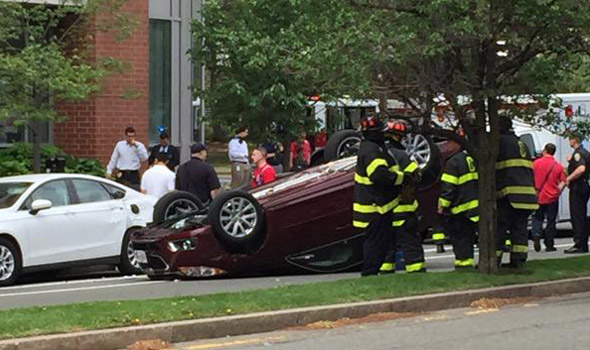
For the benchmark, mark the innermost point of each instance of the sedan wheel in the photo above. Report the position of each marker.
(180, 207)
(238, 217)
(176, 203)
(418, 148)
(10, 262)
(237, 221)
(7, 263)
(131, 256)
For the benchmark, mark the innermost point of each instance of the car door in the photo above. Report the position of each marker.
(48, 232)
(101, 220)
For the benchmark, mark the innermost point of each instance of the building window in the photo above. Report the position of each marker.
(160, 77)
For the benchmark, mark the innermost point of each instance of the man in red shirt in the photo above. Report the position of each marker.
(264, 172)
(300, 153)
(549, 183)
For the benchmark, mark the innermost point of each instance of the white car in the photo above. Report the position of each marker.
(51, 221)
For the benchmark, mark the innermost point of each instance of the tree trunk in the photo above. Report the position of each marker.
(487, 218)
(35, 131)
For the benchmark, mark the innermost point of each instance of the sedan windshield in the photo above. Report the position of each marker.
(10, 192)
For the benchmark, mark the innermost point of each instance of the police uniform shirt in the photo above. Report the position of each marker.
(198, 178)
(578, 159)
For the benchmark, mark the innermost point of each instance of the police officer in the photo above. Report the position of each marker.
(405, 220)
(517, 197)
(198, 177)
(459, 203)
(376, 193)
(577, 180)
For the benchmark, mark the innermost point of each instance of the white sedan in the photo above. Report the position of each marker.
(51, 221)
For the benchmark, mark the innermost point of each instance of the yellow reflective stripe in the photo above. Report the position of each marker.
(444, 202)
(373, 208)
(394, 168)
(399, 178)
(519, 248)
(517, 190)
(411, 167)
(511, 163)
(466, 262)
(474, 219)
(360, 224)
(450, 179)
(438, 236)
(525, 206)
(499, 253)
(362, 180)
(387, 267)
(468, 177)
(374, 165)
(398, 223)
(508, 242)
(454, 180)
(415, 267)
(406, 208)
(466, 206)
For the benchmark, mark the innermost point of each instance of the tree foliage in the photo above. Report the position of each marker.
(266, 57)
(46, 56)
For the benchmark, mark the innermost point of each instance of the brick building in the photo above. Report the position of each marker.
(155, 91)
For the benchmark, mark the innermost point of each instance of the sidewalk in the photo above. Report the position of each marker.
(183, 331)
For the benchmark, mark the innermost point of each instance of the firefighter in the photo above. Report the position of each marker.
(459, 203)
(376, 193)
(517, 197)
(577, 180)
(439, 234)
(405, 220)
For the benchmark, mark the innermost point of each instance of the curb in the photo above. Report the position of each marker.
(183, 331)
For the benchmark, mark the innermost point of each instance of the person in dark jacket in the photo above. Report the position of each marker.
(376, 193)
(405, 219)
(517, 197)
(198, 177)
(172, 152)
(459, 204)
(577, 181)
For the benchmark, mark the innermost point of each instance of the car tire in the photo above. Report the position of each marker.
(237, 221)
(128, 263)
(10, 262)
(176, 203)
(423, 150)
(342, 144)
(317, 158)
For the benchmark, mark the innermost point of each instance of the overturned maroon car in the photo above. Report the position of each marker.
(299, 223)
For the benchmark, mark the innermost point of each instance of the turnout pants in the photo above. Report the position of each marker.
(515, 221)
(409, 240)
(578, 200)
(462, 232)
(377, 242)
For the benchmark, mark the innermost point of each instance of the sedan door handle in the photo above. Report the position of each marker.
(116, 208)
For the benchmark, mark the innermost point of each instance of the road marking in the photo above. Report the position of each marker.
(236, 343)
(89, 280)
(79, 289)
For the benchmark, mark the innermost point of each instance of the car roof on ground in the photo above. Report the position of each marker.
(46, 177)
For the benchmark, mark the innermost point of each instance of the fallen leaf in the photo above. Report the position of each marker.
(152, 344)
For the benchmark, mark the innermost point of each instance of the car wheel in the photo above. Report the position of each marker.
(10, 262)
(342, 144)
(128, 264)
(237, 220)
(424, 151)
(176, 203)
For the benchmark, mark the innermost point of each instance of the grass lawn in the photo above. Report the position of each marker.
(86, 316)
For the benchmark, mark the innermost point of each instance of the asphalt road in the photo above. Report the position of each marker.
(546, 324)
(100, 285)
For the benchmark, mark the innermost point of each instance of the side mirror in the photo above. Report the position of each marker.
(119, 194)
(38, 205)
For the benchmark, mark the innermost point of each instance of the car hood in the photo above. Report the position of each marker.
(171, 227)
(5, 214)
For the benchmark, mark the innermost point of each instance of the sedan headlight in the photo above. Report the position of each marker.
(182, 245)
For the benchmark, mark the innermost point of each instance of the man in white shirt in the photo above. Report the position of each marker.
(127, 159)
(158, 180)
(238, 157)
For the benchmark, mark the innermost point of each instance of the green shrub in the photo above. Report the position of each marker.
(18, 160)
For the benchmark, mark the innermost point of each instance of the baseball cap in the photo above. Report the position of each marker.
(198, 147)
